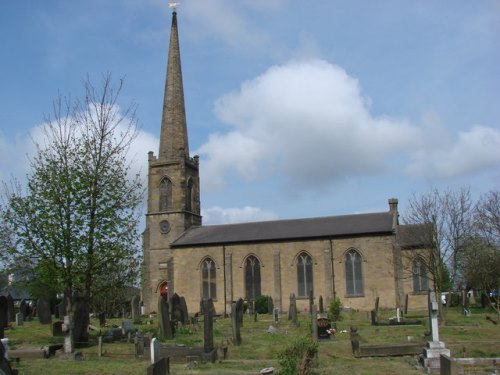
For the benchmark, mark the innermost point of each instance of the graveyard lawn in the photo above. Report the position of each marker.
(465, 336)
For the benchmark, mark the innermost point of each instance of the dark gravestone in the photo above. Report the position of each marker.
(179, 309)
(5, 368)
(235, 322)
(321, 307)
(102, 319)
(239, 311)
(270, 305)
(23, 308)
(405, 311)
(311, 301)
(209, 352)
(81, 320)
(160, 367)
(11, 311)
(164, 319)
(292, 311)
(3, 315)
(135, 306)
(61, 309)
(324, 325)
(251, 307)
(57, 328)
(139, 345)
(43, 311)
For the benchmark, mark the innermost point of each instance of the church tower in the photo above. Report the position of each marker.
(173, 185)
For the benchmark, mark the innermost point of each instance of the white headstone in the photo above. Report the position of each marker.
(5, 343)
(19, 319)
(155, 350)
(398, 314)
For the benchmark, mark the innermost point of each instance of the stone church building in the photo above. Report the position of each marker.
(356, 258)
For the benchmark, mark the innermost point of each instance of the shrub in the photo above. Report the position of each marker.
(261, 305)
(298, 358)
(334, 310)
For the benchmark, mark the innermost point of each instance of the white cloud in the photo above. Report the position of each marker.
(473, 151)
(218, 215)
(306, 121)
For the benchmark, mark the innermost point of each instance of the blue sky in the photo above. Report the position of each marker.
(296, 108)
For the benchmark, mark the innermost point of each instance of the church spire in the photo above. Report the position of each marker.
(173, 136)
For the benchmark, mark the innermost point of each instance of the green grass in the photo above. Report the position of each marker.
(466, 337)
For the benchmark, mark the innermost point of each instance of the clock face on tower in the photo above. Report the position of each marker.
(164, 226)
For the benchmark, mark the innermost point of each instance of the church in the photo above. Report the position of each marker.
(355, 258)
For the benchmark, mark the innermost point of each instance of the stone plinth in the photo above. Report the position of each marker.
(432, 354)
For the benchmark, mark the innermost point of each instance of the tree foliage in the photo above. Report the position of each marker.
(78, 215)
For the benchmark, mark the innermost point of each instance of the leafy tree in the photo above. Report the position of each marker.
(78, 215)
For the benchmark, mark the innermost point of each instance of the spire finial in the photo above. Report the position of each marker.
(173, 4)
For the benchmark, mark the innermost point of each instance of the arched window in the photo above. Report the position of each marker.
(208, 282)
(165, 194)
(189, 195)
(304, 274)
(419, 274)
(252, 278)
(353, 274)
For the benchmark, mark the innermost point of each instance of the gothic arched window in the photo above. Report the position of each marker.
(419, 274)
(165, 195)
(252, 278)
(208, 281)
(304, 274)
(353, 274)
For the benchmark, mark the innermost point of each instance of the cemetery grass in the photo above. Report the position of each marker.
(472, 336)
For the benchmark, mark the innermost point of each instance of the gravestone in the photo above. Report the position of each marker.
(102, 319)
(184, 309)
(126, 326)
(276, 315)
(4, 319)
(311, 302)
(235, 322)
(11, 311)
(374, 313)
(251, 307)
(164, 319)
(19, 319)
(43, 311)
(23, 308)
(405, 311)
(61, 308)
(270, 304)
(139, 345)
(435, 347)
(155, 349)
(160, 367)
(135, 306)
(179, 309)
(5, 368)
(321, 307)
(80, 320)
(209, 353)
(57, 328)
(292, 311)
(239, 311)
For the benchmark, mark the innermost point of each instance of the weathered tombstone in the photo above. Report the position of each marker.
(184, 309)
(321, 307)
(276, 315)
(57, 328)
(435, 347)
(135, 307)
(314, 325)
(374, 313)
(164, 319)
(270, 304)
(102, 319)
(19, 319)
(43, 311)
(126, 326)
(209, 353)
(139, 345)
(11, 311)
(235, 323)
(23, 307)
(4, 319)
(61, 308)
(239, 311)
(80, 320)
(251, 307)
(179, 309)
(292, 311)
(155, 349)
(160, 367)
(311, 302)
(354, 340)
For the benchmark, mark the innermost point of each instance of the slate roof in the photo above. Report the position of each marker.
(283, 230)
(414, 235)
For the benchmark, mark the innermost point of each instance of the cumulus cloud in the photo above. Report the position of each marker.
(219, 215)
(307, 120)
